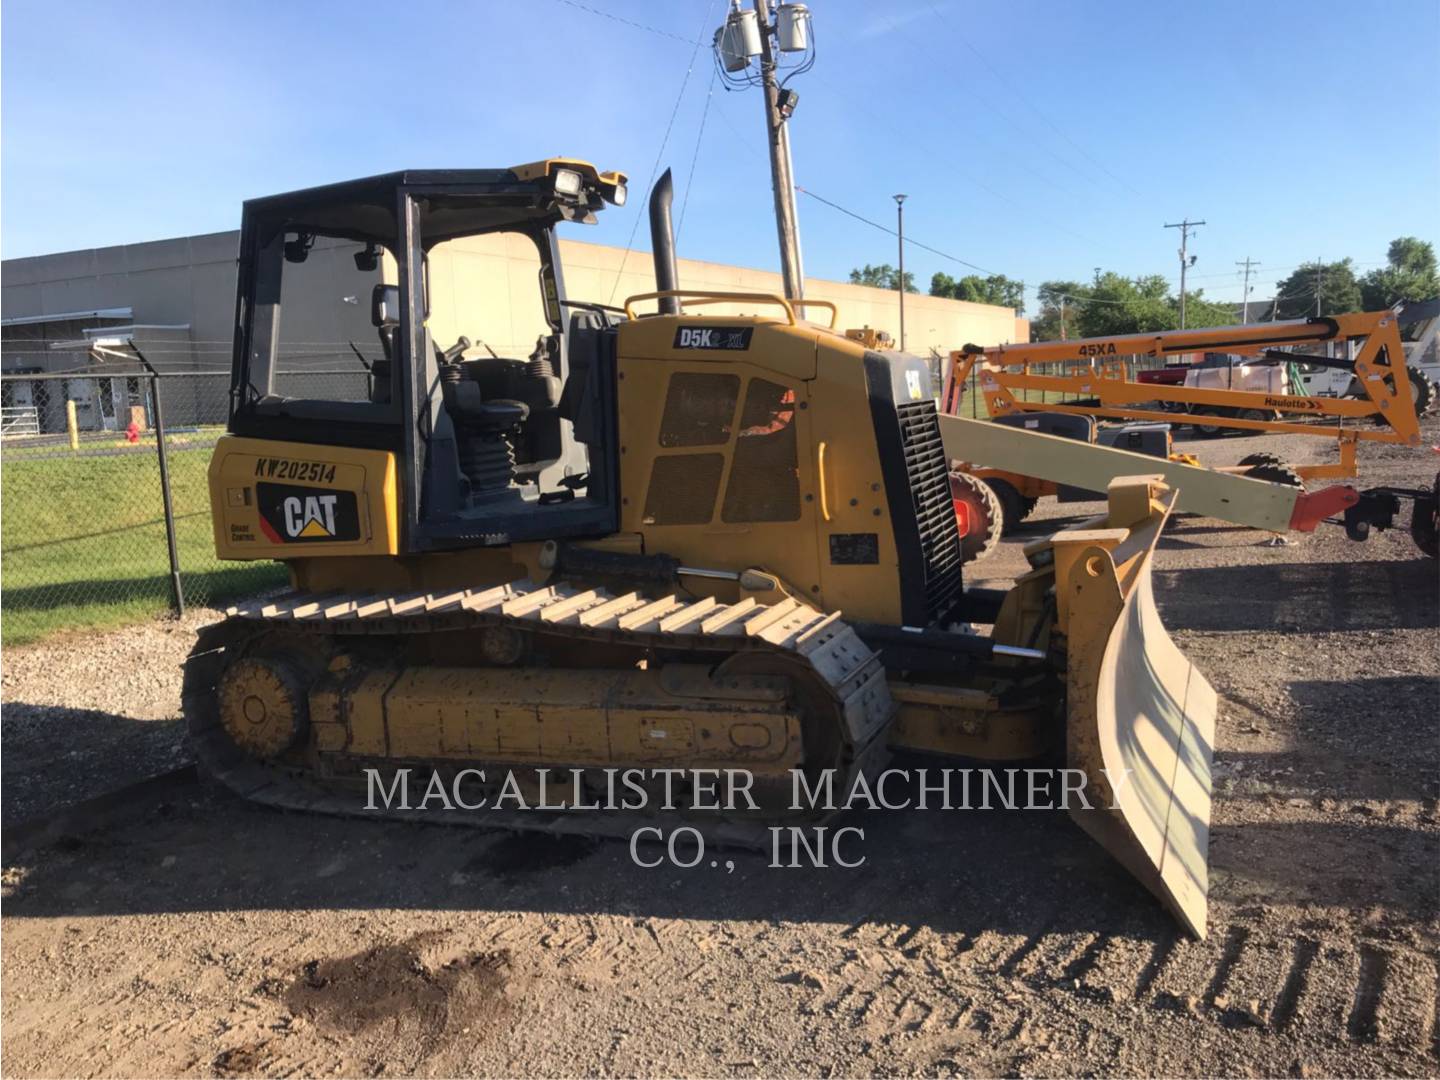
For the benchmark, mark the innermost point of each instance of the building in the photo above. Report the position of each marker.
(175, 299)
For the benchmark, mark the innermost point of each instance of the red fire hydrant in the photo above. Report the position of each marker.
(132, 432)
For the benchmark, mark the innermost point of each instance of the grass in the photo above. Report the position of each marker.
(82, 540)
(973, 405)
(82, 535)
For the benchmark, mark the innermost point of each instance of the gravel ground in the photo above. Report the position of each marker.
(117, 696)
(195, 935)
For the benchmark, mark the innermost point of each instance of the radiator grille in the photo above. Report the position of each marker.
(928, 474)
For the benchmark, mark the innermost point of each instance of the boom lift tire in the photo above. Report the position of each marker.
(986, 516)
(1422, 390)
(1014, 507)
(1208, 431)
(1423, 393)
(1425, 522)
(1276, 474)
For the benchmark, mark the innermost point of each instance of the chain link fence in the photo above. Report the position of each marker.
(972, 399)
(85, 536)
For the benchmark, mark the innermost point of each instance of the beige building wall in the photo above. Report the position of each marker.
(492, 280)
(483, 287)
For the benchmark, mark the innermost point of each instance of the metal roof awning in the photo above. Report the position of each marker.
(70, 316)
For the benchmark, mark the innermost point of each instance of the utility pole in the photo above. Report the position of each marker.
(748, 35)
(1245, 301)
(1062, 317)
(781, 177)
(1186, 228)
(900, 278)
(1319, 283)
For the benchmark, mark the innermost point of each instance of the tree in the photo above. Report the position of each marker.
(995, 289)
(1202, 312)
(1121, 305)
(1113, 304)
(1410, 275)
(1338, 290)
(1054, 320)
(881, 277)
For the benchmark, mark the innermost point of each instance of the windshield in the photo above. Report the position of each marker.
(310, 335)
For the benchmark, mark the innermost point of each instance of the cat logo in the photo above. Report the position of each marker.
(291, 514)
(312, 517)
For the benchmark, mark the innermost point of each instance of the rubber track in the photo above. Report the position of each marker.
(846, 666)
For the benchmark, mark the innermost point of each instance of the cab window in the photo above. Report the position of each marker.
(321, 338)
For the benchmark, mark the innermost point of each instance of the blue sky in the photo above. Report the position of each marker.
(1035, 138)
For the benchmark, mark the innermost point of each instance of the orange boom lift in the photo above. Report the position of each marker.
(1096, 384)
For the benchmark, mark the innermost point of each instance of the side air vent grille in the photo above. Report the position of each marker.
(934, 511)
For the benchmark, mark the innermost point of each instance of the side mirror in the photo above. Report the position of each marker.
(298, 250)
(367, 261)
(385, 305)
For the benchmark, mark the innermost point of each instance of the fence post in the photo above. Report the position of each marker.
(72, 426)
(176, 590)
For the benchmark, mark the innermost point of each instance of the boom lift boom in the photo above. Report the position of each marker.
(1097, 385)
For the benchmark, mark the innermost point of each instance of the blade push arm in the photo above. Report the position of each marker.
(1227, 496)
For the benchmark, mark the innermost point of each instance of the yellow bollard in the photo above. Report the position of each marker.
(71, 425)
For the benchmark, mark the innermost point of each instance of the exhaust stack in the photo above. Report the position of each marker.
(662, 243)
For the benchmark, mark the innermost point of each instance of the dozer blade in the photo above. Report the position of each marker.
(1141, 718)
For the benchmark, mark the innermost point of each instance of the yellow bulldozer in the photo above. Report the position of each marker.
(668, 539)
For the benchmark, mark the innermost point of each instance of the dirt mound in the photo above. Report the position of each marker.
(240, 1060)
(389, 992)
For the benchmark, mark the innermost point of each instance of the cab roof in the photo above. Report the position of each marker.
(485, 199)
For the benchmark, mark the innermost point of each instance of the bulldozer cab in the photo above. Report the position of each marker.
(497, 433)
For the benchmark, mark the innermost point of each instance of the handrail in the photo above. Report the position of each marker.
(705, 296)
(820, 480)
(834, 311)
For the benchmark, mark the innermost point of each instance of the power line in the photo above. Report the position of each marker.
(664, 141)
(861, 217)
(700, 134)
(964, 172)
(964, 169)
(1074, 299)
(886, 229)
(1031, 105)
(828, 202)
(627, 22)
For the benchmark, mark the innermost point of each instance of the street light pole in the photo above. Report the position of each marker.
(900, 278)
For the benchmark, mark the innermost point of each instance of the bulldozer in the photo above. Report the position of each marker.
(672, 537)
